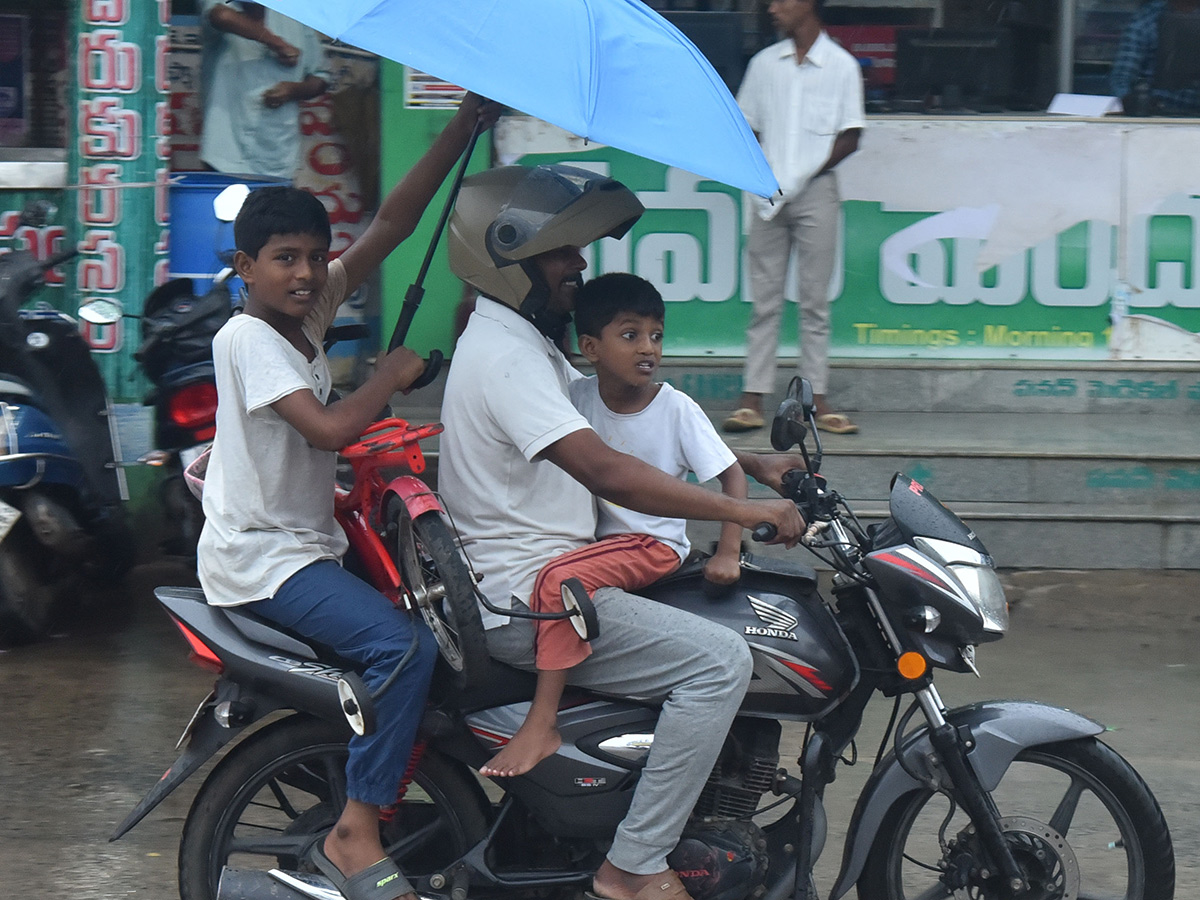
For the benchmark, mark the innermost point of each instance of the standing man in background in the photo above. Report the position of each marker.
(258, 67)
(803, 97)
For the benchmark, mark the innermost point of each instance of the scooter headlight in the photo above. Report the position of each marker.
(978, 578)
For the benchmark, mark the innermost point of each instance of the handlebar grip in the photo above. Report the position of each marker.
(763, 532)
(432, 366)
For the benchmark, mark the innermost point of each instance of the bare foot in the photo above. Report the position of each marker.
(528, 747)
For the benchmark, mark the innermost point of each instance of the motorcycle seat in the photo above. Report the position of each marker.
(259, 630)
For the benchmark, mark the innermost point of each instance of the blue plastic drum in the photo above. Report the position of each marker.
(198, 238)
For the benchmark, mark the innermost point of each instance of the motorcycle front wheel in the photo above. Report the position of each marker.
(434, 573)
(1080, 820)
(280, 790)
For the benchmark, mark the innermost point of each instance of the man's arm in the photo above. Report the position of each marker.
(768, 468)
(843, 145)
(404, 205)
(294, 91)
(627, 481)
(225, 18)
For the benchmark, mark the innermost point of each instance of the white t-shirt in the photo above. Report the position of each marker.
(798, 110)
(672, 434)
(268, 494)
(505, 402)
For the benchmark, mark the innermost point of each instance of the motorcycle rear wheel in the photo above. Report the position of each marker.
(1082, 790)
(280, 790)
(432, 567)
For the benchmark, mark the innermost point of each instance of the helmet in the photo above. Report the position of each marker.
(504, 217)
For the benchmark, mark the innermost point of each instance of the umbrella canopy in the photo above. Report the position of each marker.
(611, 71)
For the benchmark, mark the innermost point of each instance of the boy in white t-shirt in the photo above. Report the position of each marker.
(619, 323)
(270, 538)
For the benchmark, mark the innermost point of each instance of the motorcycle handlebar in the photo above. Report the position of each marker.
(57, 259)
(763, 532)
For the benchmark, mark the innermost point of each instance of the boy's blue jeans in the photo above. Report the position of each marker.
(325, 603)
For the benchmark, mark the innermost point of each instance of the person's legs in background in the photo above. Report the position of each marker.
(815, 234)
(768, 249)
(326, 604)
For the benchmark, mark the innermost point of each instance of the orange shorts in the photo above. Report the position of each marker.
(625, 561)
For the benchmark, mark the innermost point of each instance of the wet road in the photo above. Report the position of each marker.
(89, 720)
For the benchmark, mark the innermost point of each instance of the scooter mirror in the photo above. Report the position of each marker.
(38, 213)
(100, 311)
(227, 204)
(801, 390)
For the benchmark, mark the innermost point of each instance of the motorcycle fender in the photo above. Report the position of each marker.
(1001, 729)
(416, 494)
(207, 737)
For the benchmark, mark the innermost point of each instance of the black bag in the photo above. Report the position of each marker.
(178, 327)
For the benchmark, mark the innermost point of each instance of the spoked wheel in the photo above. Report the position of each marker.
(433, 570)
(279, 791)
(1080, 821)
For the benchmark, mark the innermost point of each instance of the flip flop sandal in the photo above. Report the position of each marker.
(666, 887)
(836, 423)
(744, 419)
(379, 881)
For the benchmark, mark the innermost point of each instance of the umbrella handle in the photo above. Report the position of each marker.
(416, 290)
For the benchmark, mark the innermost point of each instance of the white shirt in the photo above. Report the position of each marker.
(672, 434)
(241, 135)
(505, 402)
(797, 109)
(268, 494)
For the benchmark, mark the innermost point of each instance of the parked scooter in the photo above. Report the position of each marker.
(998, 800)
(61, 486)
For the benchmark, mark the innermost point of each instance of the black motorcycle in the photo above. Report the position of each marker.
(998, 799)
(62, 518)
(178, 326)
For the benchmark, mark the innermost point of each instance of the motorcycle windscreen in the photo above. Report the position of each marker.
(918, 513)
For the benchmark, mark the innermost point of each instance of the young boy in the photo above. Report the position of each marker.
(270, 536)
(619, 324)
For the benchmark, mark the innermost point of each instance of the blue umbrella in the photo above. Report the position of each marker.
(611, 71)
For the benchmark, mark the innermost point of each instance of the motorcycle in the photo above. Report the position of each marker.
(61, 486)
(997, 799)
(176, 355)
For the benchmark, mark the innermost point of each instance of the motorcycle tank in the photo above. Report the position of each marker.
(803, 665)
(916, 512)
(31, 431)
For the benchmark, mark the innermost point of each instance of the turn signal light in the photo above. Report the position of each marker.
(911, 665)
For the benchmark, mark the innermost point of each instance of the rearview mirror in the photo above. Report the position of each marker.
(801, 390)
(228, 203)
(787, 428)
(100, 311)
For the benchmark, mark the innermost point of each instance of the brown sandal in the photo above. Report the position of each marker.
(666, 886)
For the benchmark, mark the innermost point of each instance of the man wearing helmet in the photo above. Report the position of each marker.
(518, 468)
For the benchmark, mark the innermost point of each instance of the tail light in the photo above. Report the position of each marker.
(201, 655)
(194, 407)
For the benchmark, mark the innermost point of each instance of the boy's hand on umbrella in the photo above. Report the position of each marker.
(402, 367)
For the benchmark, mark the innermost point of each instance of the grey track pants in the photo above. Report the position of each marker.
(648, 651)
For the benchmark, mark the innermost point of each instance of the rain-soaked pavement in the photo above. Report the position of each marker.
(89, 720)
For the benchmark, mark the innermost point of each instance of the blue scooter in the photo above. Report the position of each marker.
(61, 485)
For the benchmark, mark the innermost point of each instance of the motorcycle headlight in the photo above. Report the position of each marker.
(982, 584)
(975, 573)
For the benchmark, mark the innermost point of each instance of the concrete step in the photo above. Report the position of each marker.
(1019, 386)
